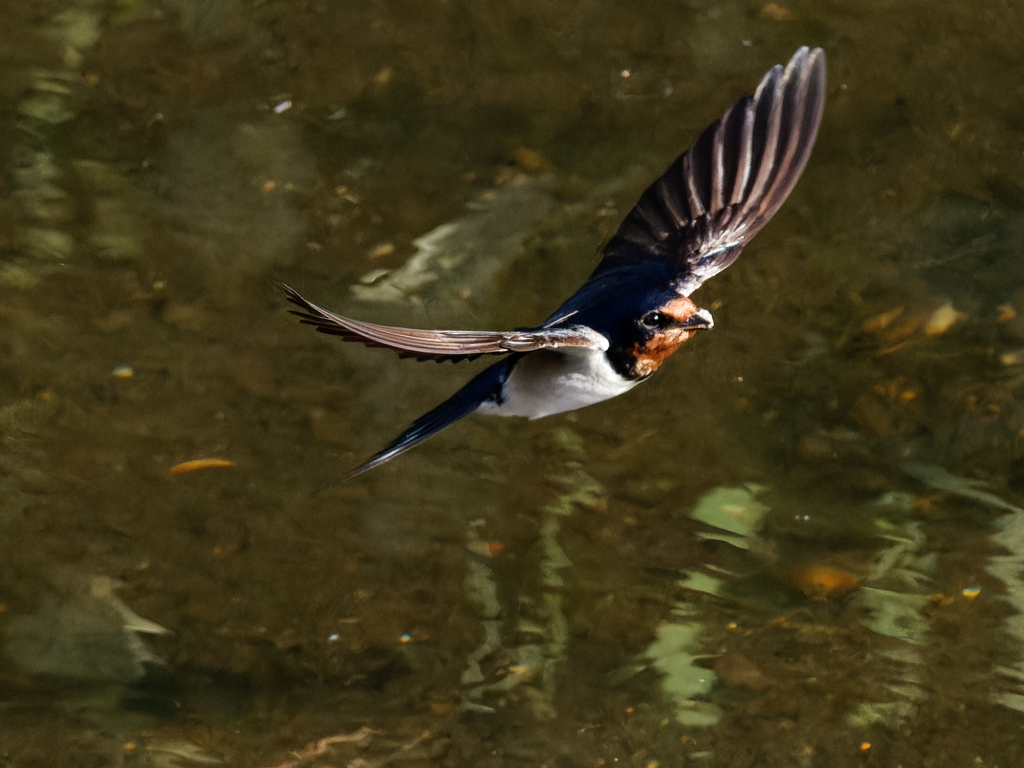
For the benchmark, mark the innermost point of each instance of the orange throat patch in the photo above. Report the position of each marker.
(656, 350)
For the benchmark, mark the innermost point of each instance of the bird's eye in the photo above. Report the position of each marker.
(654, 320)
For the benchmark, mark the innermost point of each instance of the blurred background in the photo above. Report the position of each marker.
(798, 545)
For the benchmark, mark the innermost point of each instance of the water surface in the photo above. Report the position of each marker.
(798, 545)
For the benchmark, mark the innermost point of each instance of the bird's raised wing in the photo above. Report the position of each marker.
(724, 188)
(441, 345)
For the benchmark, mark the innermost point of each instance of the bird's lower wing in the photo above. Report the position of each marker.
(724, 188)
(440, 345)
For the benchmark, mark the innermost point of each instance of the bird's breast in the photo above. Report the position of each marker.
(548, 382)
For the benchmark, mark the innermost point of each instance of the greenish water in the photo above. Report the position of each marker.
(800, 544)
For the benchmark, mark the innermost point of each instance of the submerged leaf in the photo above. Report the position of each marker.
(966, 487)
(894, 614)
(735, 510)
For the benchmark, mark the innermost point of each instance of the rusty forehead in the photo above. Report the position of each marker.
(680, 309)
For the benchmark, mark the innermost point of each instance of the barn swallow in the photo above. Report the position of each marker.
(635, 309)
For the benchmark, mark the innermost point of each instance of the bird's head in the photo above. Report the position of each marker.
(659, 332)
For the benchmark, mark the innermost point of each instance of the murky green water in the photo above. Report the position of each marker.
(798, 545)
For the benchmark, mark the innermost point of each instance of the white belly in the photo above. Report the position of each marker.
(547, 382)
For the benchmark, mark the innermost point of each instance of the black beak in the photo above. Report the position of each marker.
(701, 319)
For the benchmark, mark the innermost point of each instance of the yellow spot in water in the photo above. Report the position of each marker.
(821, 580)
(384, 76)
(971, 592)
(881, 321)
(865, 746)
(486, 548)
(775, 12)
(382, 250)
(191, 466)
(941, 320)
(530, 160)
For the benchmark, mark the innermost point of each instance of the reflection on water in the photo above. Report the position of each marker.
(799, 544)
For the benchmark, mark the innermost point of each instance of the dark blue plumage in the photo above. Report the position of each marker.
(485, 386)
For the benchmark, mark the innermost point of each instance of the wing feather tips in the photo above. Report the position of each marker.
(730, 181)
(788, 114)
(438, 346)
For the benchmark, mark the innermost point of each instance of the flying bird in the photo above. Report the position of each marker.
(635, 309)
